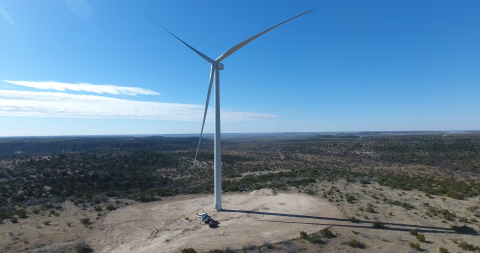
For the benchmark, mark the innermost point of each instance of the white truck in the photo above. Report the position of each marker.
(202, 215)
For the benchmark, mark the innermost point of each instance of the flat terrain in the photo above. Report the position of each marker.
(247, 218)
(344, 192)
(261, 219)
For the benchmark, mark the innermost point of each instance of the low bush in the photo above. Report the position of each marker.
(189, 250)
(355, 244)
(352, 219)
(81, 246)
(291, 247)
(350, 199)
(414, 245)
(442, 250)
(467, 246)
(315, 239)
(250, 247)
(421, 237)
(414, 232)
(85, 221)
(407, 206)
(326, 232)
(22, 213)
(303, 235)
(269, 245)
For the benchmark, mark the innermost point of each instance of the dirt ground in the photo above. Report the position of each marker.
(260, 218)
(254, 217)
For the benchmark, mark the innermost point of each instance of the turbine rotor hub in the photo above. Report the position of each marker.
(220, 66)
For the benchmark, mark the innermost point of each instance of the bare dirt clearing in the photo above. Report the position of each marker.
(247, 218)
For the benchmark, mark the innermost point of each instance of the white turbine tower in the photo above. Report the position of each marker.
(215, 74)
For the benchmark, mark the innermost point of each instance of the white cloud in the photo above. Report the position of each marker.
(51, 104)
(51, 85)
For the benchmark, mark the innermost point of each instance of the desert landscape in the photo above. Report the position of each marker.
(332, 193)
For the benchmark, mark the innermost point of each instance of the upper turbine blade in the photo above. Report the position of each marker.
(240, 45)
(206, 108)
(195, 50)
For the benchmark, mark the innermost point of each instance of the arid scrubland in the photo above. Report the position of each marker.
(400, 192)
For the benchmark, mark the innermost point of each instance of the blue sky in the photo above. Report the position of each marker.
(82, 67)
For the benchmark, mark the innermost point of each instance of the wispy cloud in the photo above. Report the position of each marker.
(111, 89)
(51, 104)
(7, 17)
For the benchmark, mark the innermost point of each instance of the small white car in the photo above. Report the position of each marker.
(202, 215)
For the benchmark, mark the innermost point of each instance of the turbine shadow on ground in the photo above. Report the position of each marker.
(386, 225)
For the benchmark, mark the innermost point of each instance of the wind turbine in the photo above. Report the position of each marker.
(216, 66)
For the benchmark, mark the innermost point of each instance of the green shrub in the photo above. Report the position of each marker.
(414, 245)
(326, 232)
(414, 232)
(466, 246)
(350, 199)
(189, 250)
(352, 219)
(81, 246)
(421, 237)
(85, 221)
(98, 208)
(303, 235)
(355, 244)
(442, 250)
(22, 213)
(407, 206)
(249, 247)
(463, 219)
(14, 220)
(315, 239)
(111, 208)
(269, 245)
(370, 209)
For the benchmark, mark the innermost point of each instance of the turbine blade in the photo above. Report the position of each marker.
(195, 50)
(206, 108)
(240, 45)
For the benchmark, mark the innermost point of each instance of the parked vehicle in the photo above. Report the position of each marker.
(207, 219)
(213, 223)
(202, 215)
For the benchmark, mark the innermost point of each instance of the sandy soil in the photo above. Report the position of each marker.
(255, 218)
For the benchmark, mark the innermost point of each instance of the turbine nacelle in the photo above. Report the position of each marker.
(219, 66)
